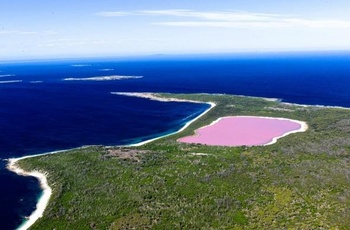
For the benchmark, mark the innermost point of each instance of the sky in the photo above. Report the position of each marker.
(87, 28)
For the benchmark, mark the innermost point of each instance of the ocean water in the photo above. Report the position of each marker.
(41, 112)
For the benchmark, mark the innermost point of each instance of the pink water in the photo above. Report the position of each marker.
(239, 131)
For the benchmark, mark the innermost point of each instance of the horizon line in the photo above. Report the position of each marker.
(204, 54)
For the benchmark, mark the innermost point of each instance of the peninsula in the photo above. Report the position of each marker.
(299, 181)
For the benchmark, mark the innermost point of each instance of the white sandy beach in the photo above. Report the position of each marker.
(45, 197)
(41, 176)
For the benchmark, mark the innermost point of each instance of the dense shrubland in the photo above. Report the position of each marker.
(301, 182)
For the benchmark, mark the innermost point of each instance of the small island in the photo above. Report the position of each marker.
(301, 181)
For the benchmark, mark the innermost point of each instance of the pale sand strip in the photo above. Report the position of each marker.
(47, 191)
(45, 197)
(41, 176)
(303, 128)
(154, 97)
(157, 97)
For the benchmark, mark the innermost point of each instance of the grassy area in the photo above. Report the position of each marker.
(301, 182)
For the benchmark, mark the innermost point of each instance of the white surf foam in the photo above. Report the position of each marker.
(103, 78)
(12, 81)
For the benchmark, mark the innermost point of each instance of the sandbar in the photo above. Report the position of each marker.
(245, 131)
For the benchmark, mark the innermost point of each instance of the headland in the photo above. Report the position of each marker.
(300, 181)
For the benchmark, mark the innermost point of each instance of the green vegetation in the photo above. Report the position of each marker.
(301, 182)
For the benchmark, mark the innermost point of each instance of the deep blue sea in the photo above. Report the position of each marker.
(41, 112)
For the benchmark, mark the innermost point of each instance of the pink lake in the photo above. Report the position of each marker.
(244, 131)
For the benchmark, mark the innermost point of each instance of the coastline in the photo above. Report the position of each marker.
(41, 176)
(317, 106)
(46, 193)
(212, 105)
(156, 97)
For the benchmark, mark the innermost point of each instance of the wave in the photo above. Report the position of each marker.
(13, 81)
(103, 78)
(7, 75)
(34, 82)
(189, 116)
(80, 65)
(105, 69)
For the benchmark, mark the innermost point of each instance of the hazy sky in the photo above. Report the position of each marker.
(67, 28)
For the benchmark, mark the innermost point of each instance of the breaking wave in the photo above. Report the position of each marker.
(13, 81)
(80, 65)
(105, 70)
(103, 78)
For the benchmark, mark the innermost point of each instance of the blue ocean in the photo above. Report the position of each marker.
(50, 105)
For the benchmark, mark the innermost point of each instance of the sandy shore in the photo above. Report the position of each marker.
(154, 97)
(47, 191)
(41, 176)
(45, 197)
(245, 131)
(157, 97)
